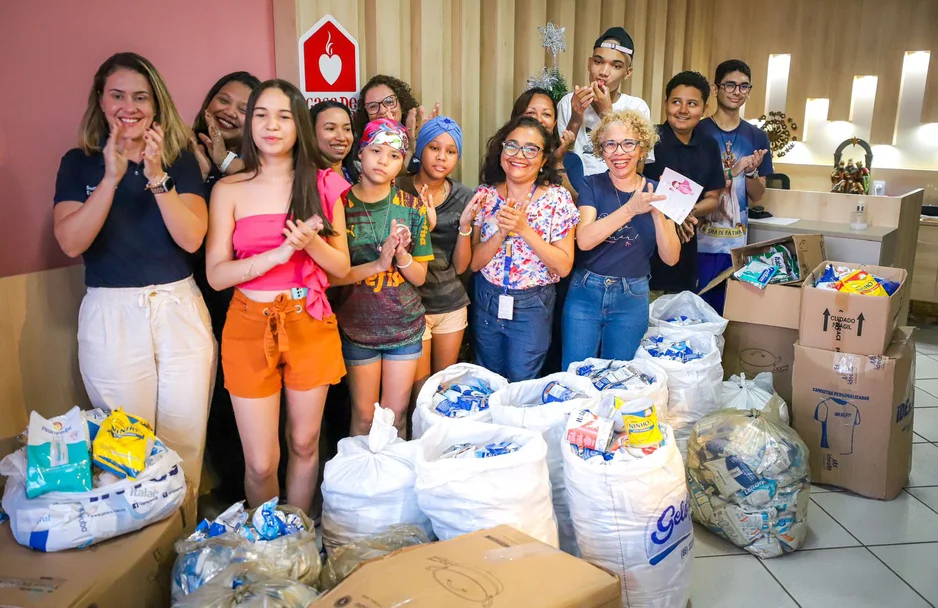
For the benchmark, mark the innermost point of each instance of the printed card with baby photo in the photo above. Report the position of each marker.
(682, 195)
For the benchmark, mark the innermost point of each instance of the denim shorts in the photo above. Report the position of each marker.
(362, 355)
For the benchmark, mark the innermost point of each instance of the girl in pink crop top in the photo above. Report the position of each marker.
(277, 233)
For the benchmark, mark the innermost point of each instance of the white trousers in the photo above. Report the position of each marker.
(151, 351)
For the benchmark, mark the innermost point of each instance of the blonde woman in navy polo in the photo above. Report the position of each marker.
(130, 201)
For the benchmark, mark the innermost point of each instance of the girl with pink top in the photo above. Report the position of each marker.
(277, 233)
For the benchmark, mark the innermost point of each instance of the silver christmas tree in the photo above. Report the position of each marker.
(552, 39)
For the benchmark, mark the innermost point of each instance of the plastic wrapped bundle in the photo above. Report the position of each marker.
(280, 540)
(249, 586)
(460, 391)
(749, 480)
(687, 311)
(742, 393)
(632, 517)
(345, 559)
(534, 405)
(67, 520)
(369, 485)
(630, 380)
(695, 375)
(462, 495)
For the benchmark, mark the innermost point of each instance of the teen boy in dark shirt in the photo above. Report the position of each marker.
(695, 156)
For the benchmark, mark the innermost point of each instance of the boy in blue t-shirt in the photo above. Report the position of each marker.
(744, 150)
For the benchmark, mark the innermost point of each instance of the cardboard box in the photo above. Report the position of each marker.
(130, 571)
(807, 249)
(775, 306)
(849, 322)
(751, 349)
(496, 568)
(855, 414)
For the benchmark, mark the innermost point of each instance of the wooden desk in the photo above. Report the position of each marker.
(890, 240)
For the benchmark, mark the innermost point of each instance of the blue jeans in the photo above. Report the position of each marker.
(709, 267)
(514, 349)
(603, 316)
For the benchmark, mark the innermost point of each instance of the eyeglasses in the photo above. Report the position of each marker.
(390, 102)
(610, 146)
(730, 86)
(529, 151)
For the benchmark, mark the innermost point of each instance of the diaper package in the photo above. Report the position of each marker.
(57, 454)
(123, 443)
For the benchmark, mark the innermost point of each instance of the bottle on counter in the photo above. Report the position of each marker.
(858, 217)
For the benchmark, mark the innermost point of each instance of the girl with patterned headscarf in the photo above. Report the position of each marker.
(380, 312)
(450, 209)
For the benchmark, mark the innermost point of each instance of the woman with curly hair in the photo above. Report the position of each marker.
(388, 97)
(606, 312)
(522, 243)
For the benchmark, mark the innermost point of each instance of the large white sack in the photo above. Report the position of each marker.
(633, 518)
(521, 404)
(68, 520)
(424, 414)
(692, 306)
(464, 495)
(742, 393)
(369, 485)
(695, 387)
(656, 391)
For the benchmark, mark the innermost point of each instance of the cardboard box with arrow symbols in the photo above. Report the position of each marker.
(850, 322)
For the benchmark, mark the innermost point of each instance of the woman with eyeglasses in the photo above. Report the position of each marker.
(523, 244)
(606, 312)
(388, 97)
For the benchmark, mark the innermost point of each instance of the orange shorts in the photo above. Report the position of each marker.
(267, 345)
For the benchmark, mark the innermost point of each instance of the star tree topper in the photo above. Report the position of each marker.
(553, 39)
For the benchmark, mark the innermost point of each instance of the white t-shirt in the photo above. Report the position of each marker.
(583, 146)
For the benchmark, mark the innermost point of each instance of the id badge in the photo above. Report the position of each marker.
(506, 307)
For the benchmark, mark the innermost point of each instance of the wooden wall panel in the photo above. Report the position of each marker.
(39, 345)
(889, 73)
(476, 55)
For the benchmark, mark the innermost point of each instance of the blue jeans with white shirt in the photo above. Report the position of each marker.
(604, 317)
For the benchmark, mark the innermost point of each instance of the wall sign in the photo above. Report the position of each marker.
(329, 67)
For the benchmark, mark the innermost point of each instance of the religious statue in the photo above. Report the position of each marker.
(837, 177)
(864, 176)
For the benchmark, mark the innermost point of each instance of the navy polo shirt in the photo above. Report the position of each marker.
(698, 161)
(133, 247)
(626, 252)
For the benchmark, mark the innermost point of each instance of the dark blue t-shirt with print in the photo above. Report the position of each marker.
(627, 251)
(133, 247)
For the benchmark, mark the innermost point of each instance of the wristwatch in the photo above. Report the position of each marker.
(165, 184)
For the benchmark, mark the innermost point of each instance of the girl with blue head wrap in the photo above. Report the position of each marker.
(451, 210)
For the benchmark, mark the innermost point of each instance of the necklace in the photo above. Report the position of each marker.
(387, 223)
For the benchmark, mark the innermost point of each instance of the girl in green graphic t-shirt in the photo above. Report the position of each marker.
(380, 313)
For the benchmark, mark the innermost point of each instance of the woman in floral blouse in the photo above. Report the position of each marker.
(522, 244)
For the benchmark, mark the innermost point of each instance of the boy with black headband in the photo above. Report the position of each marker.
(581, 110)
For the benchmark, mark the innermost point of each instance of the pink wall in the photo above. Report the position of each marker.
(50, 51)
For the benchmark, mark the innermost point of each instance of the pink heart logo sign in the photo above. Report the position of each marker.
(330, 66)
(329, 63)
